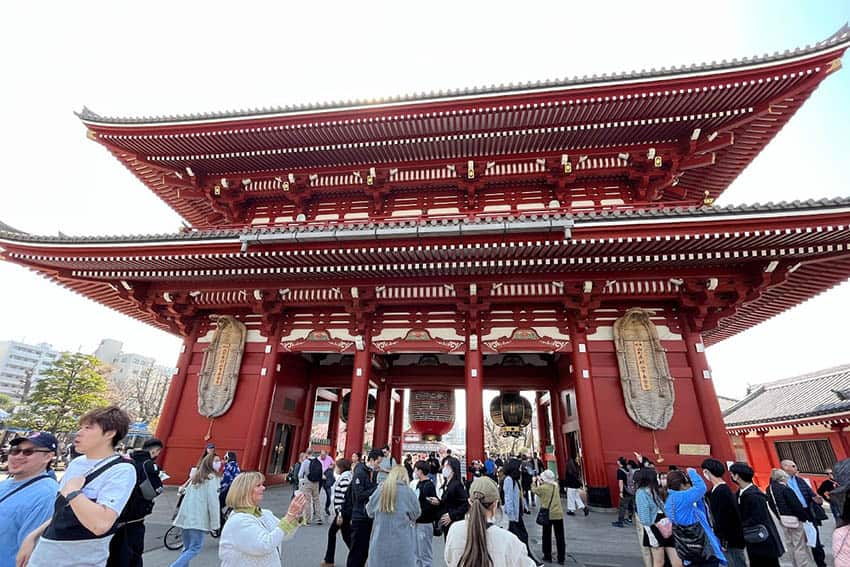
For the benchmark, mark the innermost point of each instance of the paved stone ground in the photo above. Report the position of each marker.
(591, 541)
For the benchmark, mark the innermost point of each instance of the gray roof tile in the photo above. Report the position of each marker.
(579, 218)
(839, 38)
(797, 397)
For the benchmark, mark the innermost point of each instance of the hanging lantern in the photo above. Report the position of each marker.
(511, 412)
(432, 414)
(370, 408)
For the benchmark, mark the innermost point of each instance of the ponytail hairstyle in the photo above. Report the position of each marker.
(482, 494)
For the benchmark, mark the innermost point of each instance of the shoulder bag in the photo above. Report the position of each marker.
(756, 534)
(543, 518)
(787, 521)
(691, 541)
(664, 525)
(23, 486)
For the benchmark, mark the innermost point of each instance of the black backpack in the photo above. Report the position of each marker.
(141, 499)
(314, 474)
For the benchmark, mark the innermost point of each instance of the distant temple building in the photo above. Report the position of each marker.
(804, 418)
(554, 237)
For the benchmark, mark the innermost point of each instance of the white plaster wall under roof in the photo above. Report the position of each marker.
(446, 334)
(299, 333)
(499, 332)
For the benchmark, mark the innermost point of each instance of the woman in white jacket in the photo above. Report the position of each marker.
(199, 511)
(252, 536)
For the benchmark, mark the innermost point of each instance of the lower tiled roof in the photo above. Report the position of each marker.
(588, 219)
(798, 397)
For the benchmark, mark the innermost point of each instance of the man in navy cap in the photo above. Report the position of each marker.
(26, 498)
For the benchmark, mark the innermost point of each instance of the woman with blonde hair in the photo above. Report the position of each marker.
(394, 508)
(477, 541)
(252, 535)
(199, 511)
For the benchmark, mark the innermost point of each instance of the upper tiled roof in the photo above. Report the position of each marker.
(838, 39)
(798, 397)
(821, 205)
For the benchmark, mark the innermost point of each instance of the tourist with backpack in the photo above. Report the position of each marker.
(92, 494)
(626, 484)
(128, 543)
(309, 483)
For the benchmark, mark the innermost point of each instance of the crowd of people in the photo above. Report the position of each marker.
(693, 517)
(388, 513)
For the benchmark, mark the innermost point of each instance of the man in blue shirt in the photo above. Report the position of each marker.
(809, 500)
(27, 497)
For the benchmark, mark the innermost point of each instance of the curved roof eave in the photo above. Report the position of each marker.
(839, 40)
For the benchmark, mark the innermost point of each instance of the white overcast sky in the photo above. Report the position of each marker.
(153, 58)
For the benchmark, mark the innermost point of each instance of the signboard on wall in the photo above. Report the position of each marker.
(694, 449)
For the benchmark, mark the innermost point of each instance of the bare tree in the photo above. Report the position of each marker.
(140, 395)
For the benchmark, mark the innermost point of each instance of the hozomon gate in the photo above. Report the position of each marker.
(505, 231)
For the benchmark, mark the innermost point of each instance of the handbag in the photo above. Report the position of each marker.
(543, 518)
(756, 534)
(665, 527)
(691, 541)
(787, 521)
(663, 524)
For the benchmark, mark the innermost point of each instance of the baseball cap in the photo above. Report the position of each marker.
(40, 439)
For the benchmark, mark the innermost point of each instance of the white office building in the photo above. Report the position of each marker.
(22, 365)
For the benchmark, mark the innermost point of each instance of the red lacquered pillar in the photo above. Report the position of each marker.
(474, 406)
(356, 424)
(262, 403)
(382, 417)
(593, 459)
(175, 389)
(556, 401)
(398, 426)
(333, 426)
(542, 426)
(712, 419)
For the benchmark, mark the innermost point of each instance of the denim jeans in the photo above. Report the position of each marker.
(193, 541)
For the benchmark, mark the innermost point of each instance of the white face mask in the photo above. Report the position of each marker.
(447, 472)
(217, 465)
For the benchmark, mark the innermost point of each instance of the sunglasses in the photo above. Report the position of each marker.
(27, 452)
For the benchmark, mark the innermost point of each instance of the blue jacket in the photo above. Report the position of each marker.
(686, 507)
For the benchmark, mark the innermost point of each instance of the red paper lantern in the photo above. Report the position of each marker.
(432, 413)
